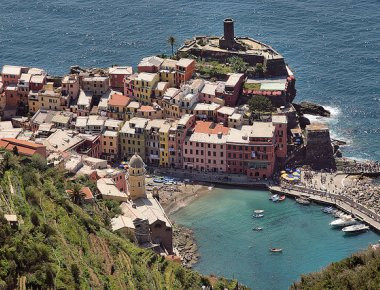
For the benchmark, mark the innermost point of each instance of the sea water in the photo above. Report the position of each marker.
(333, 47)
(222, 222)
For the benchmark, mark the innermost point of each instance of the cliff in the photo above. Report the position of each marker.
(360, 271)
(61, 245)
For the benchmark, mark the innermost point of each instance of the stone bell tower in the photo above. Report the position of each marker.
(228, 39)
(136, 178)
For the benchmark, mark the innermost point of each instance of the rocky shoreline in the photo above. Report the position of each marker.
(184, 242)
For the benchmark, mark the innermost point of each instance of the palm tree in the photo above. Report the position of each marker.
(77, 195)
(171, 41)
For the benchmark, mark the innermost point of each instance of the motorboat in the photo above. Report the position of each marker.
(258, 211)
(338, 213)
(355, 228)
(303, 201)
(282, 198)
(343, 221)
(275, 197)
(158, 180)
(328, 209)
(275, 250)
(258, 215)
(257, 229)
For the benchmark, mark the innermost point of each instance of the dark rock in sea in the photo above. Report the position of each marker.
(303, 122)
(312, 109)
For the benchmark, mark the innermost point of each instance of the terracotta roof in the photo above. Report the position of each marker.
(22, 143)
(146, 109)
(118, 100)
(210, 128)
(86, 191)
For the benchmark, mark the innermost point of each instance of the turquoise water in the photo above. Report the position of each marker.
(333, 46)
(223, 225)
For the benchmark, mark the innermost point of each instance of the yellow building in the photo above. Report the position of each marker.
(164, 144)
(117, 107)
(132, 138)
(109, 145)
(144, 86)
(49, 98)
(167, 71)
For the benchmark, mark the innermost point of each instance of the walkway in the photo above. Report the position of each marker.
(342, 202)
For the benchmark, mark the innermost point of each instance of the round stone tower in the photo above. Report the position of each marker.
(229, 34)
(136, 177)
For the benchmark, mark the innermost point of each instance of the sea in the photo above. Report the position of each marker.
(333, 47)
(228, 246)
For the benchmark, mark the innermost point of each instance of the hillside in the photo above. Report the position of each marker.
(59, 244)
(360, 271)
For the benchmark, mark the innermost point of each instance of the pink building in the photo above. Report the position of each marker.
(232, 89)
(117, 74)
(71, 86)
(223, 113)
(280, 123)
(129, 86)
(251, 150)
(11, 74)
(150, 64)
(205, 149)
(177, 136)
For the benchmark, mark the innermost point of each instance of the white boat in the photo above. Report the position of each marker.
(257, 215)
(258, 211)
(356, 228)
(303, 201)
(343, 221)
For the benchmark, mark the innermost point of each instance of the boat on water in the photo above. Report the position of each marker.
(258, 211)
(258, 215)
(338, 213)
(343, 221)
(257, 229)
(282, 198)
(328, 209)
(275, 197)
(275, 250)
(303, 201)
(355, 228)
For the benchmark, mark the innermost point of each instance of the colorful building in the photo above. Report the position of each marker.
(118, 74)
(144, 85)
(185, 69)
(117, 106)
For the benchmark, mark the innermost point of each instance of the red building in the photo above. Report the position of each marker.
(151, 64)
(117, 74)
(185, 69)
(232, 89)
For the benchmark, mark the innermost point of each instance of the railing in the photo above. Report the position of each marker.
(334, 197)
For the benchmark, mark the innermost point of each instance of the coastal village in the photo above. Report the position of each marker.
(187, 116)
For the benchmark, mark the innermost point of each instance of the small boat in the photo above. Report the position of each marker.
(210, 187)
(282, 198)
(338, 214)
(343, 221)
(168, 183)
(303, 201)
(355, 228)
(257, 229)
(258, 215)
(275, 250)
(158, 180)
(329, 209)
(275, 198)
(258, 211)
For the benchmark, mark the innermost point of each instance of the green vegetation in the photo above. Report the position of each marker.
(237, 64)
(260, 104)
(252, 86)
(63, 245)
(213, 69)
(172, 41)
(360, 271)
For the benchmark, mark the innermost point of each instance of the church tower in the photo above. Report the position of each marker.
(136, 178)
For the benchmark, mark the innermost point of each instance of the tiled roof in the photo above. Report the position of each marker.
(210, 128)
(118, 100)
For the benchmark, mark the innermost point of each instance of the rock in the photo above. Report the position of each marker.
(303, 122)
(312, 109)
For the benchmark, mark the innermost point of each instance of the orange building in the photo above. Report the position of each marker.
(117, 106)
(23, 147)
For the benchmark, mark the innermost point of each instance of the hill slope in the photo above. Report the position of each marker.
(360, 271)
(63, 245)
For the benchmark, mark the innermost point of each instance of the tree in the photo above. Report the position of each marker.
(238, 64)
(172, 41)
(260, 104)
(77, 195)
(259, 69)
